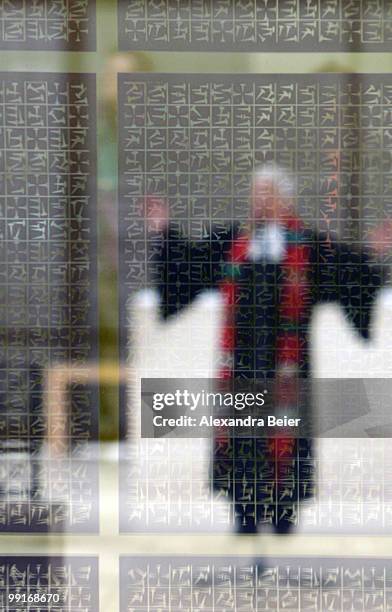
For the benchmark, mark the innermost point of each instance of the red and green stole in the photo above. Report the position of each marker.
(292, 310)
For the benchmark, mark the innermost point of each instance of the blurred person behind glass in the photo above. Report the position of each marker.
(272, 272)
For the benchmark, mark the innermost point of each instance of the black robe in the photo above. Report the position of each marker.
(242, 471)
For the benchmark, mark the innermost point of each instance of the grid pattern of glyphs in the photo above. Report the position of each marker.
(62, 25)
(242, 585)
(48, 296)
(49, 583)
(256, 25)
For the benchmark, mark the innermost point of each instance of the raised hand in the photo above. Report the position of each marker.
(379, 238)
(156, 213)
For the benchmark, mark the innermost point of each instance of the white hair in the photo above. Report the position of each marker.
(280, 178)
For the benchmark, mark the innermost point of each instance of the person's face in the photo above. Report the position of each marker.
(267, 201)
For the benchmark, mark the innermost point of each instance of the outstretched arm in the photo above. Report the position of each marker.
(182, 268)
(351, 277)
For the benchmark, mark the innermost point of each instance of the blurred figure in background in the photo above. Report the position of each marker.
(271, 271)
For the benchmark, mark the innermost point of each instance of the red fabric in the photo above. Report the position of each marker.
(294, 299)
